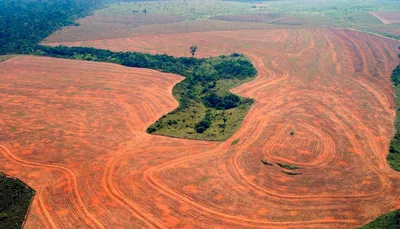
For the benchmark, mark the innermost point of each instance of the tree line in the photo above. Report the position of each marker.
(394, 148)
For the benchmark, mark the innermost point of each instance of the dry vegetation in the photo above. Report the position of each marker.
(272, 18)
(5, 57)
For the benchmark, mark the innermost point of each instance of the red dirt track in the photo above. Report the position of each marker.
(75, 132)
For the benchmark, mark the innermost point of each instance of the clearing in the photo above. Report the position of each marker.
(329, 87)
(388, 17)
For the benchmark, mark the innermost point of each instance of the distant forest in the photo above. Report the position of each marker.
(25, 23)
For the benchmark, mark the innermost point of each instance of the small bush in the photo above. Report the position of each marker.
(151, 129)
(266, 162)
(287, 166)
(235, 142)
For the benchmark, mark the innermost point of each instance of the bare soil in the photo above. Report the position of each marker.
(75, 132)
(103, 26)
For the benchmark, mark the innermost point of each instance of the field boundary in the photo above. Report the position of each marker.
(383, 20)
(372, 33)
(29, 207)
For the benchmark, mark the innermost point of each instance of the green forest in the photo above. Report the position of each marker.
(23, 23)
(15, 198)
(387, 221)
(394, 149)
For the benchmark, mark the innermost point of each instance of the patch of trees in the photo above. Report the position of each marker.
(204, 124)
(15, 198)
(394, 148)
(222, 102)
(396, 76)
(387, 221)
(163, 63)
(235, 68)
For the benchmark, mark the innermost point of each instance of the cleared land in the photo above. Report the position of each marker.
(104, 26)
(110, 22)
(71, 34)
(75, 132)
(388, 17)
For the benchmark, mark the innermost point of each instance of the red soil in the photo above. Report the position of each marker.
(79, 138)
(111, 26)
(93, 30)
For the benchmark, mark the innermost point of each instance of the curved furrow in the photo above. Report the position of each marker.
(113, 193)
(73, 183)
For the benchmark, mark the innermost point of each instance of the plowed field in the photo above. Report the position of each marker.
(75, 132)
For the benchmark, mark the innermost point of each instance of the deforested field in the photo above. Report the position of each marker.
(311, 152)
(388, 17)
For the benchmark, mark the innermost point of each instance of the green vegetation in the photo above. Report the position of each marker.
(291, 173)
(236, 141)
(266, 162)
(25, 23)
(338, 14)
(193, 49)
(5, 57)
(15, 198)
(394, 149)
(207, 109)
(388, 221)
(396, 37)
(288, 166)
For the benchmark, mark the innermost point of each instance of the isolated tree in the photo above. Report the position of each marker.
(193, 49)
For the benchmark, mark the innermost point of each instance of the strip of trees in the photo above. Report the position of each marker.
(394, 149)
